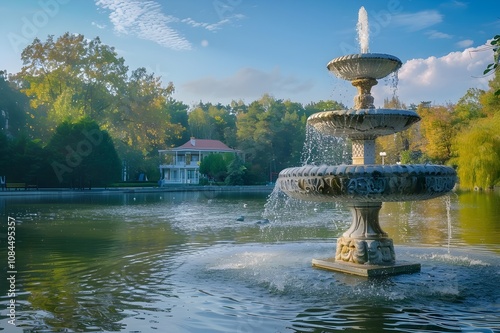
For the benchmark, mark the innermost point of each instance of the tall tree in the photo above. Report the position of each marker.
(200, 124)
(469, 107)
(178, 115)
(215, 167)
(478, 151)
(396, 144)
(83, 154)
(141, 120)
(72, 77)
(438, 132)
(235, 172)
(493, 67)
(490, 100)
(68, 78)
(14, 106)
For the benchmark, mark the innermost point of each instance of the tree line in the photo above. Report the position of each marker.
(76, 115)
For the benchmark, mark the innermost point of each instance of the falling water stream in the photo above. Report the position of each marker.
(321, 149)
(447, 202)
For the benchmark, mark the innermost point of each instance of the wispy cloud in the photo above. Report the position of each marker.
(434, 34)
(146, 19)
(100, 26)
(455, 4)
(247, 83)
(208, 26)
(418, 21)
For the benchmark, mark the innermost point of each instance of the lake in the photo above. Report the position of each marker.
(181, 262)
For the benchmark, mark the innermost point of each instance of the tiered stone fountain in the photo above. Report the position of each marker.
(365, 249)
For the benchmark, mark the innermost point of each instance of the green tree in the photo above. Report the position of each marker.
(495, 47)
(398, 144)
(5, 161)
(200, 124)
(141, 120)
(214, 166)
(320, 106)
(438, 132)
(72, 77)
(469, 107)
(27, 160)
(178, 114)
(14, 106)
(236, 172)
(394, 103)
(478, 151)
(490, 100)
(68, 78)
(82, 154)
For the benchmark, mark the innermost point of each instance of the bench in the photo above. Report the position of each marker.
(15, 186)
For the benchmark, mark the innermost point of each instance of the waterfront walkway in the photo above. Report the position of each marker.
(98, 190)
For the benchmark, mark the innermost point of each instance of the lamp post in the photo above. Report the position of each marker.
(383, 154)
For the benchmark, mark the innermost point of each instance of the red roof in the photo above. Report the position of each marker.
(202, 144)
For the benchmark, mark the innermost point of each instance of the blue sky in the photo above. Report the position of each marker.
(223, 50)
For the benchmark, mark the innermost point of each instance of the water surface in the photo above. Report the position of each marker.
(135, 262)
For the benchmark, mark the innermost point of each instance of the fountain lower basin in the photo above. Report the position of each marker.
(367, 183)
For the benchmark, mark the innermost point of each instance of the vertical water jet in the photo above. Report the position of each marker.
(363, 32)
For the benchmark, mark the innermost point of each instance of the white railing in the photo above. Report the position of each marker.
(180, 165)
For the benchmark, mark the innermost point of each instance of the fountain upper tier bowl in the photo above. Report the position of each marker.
(367, 183)
(363, 123)
(364, 65)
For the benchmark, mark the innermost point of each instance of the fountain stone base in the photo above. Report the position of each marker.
(332, 264)
(365, 249)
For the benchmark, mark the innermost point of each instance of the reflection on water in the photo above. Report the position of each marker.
(143, 262)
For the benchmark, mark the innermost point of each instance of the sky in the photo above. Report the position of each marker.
(223, 50)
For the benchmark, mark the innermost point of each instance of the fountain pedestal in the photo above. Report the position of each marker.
(365, 249)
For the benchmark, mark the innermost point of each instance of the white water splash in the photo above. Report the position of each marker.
(447, 201)
(362, 28)
(321, 149)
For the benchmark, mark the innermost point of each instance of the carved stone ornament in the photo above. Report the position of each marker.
(367, 183)
(369, 251)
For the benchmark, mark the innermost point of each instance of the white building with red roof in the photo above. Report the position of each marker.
(181, 165)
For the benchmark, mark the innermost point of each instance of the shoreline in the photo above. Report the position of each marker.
(125, 190)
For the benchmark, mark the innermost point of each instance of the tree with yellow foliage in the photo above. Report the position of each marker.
(478, 151)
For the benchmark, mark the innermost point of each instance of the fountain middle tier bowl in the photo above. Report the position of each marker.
(363, 123)
(367, 183)
(364, 65)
